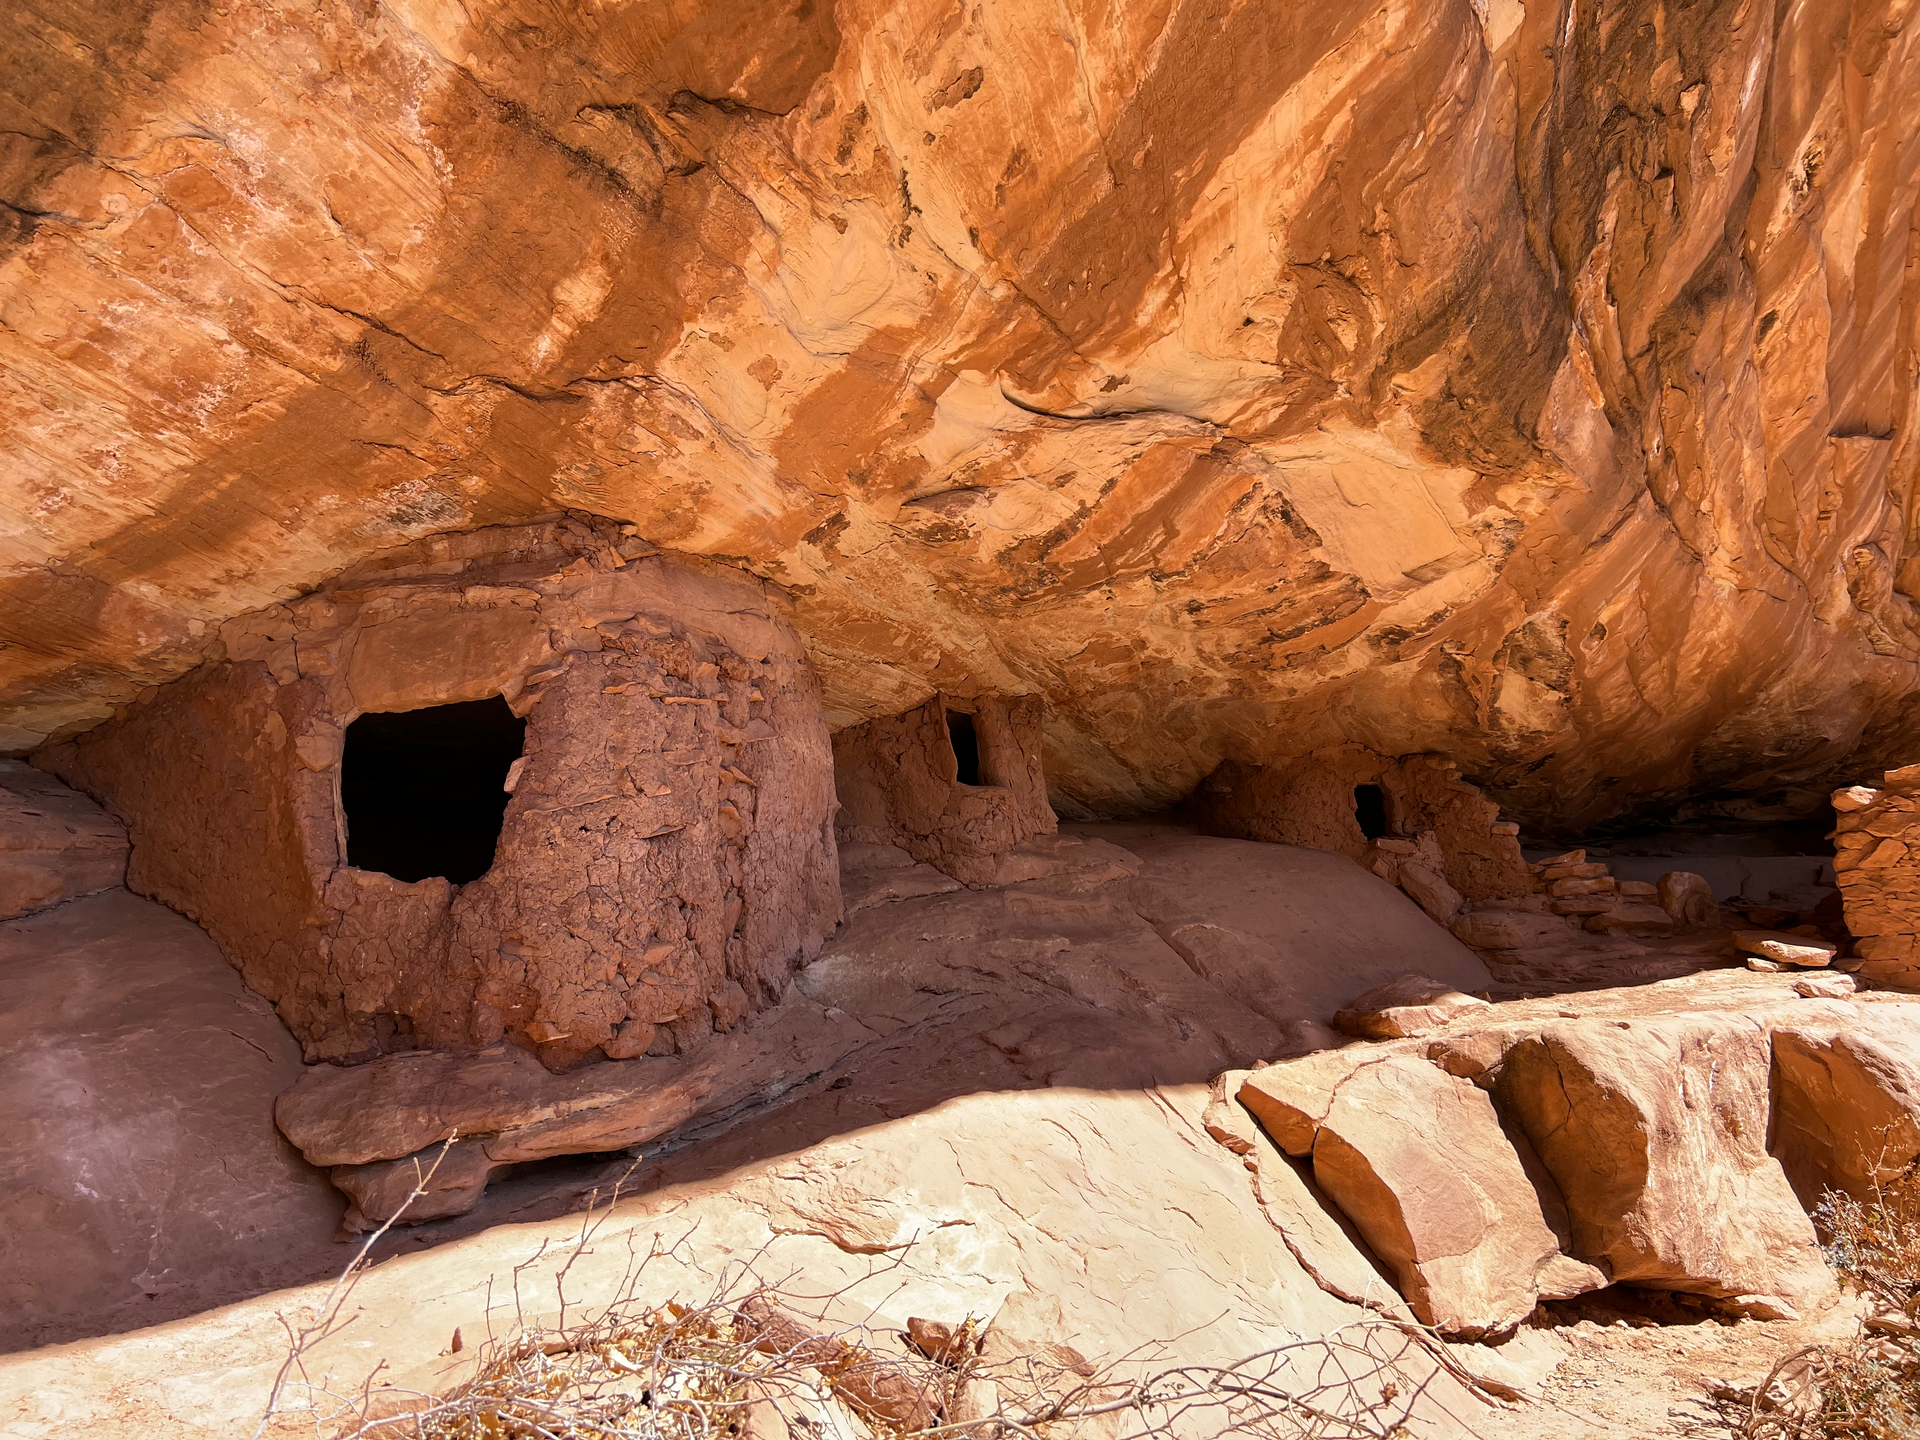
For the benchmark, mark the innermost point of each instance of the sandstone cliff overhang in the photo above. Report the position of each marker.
(1526, 383)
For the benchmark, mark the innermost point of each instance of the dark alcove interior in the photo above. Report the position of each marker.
(966, 747)
(1370, 809)
(422, 788)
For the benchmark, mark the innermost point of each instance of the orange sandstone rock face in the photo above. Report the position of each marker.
(1532, 383)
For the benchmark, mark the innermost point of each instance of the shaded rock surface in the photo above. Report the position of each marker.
(140, 1177)
(1025, 1048)
(55, 844)
(1021, 1049)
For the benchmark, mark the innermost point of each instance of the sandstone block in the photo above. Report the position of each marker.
(1637, 890)
(1689, 899)
(1406, 1006)
(1570, 889)
(1430, 892)
(1416, 1159)
(1801, 950)
(1824, 987)
(1554, 862)
(1853, 797)
(401, 1104)
(449, 1185)
(1905, 780)
(1846, 1110)
(1656, 1135)
(1588, 870)
(1583, 905)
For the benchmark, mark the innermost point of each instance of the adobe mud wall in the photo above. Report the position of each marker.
(1311, 801)
(897, 782)
(666, 854)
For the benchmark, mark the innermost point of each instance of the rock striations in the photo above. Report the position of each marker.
(1532, 383)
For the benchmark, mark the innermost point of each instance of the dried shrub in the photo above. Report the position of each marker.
(752, 1360)
(1869, 1386)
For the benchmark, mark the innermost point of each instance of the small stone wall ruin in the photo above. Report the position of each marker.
(1876, 859)
(1436, 825)
(898, 784)
(666, 855)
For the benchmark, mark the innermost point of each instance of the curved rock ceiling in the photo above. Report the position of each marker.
(1530, 382)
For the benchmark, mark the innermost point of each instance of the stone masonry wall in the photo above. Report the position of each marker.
(897, 781)
(666, 855)
(1876, 858)
(1311, 802)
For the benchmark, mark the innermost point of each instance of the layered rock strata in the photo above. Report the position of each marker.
(666, 854)
(55, 844)
(1531, 383)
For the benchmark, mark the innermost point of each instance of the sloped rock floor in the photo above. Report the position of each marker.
(1023, 1136)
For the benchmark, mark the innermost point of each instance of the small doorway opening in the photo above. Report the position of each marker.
(1370, 809)
(422, 789)
(966, 747)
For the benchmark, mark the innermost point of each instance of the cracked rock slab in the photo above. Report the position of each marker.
(1417, 1160)
(1846, 1108)
(1656, 1130)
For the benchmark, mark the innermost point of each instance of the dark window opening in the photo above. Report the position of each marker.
(422, 788)
(966, 747)
(1370, 809)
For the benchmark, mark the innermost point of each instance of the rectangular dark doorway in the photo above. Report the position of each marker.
(1370, 810)
(966, 747)
(422, 788)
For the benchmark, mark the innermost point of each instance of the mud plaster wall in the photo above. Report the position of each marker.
(666, 855)
(1311, 802)
(1876, 859)
(897, 781)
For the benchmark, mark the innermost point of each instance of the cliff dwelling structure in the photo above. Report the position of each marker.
(902, 701)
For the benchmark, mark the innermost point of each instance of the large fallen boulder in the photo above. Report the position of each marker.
(1689, 899)
(1655, 1129)
(1846, 1103)
(1417, 1160)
